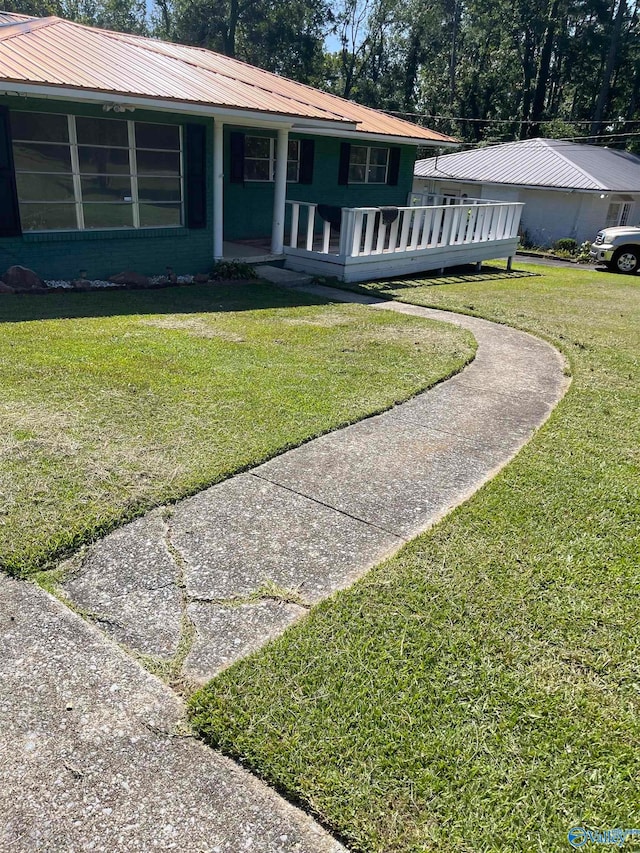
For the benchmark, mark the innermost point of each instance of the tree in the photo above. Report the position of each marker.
(286, 37)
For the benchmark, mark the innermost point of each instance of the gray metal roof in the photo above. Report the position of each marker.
(539, 163)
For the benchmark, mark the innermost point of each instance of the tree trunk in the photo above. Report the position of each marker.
(607, 74)
(537, 108)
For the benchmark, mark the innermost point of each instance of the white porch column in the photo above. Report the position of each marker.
(280, 192)
(218, 189)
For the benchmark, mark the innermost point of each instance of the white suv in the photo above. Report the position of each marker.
(618, 248)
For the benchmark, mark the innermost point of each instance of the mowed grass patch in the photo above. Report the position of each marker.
(481, 690)
(112, 403)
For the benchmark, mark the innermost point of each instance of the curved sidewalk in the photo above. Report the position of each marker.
(228, 569)
(92, 749)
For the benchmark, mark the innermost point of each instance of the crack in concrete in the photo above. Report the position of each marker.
(175, 665)
(268, 591)
(328, 506)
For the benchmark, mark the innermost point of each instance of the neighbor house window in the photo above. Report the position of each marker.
(368, 165)
(618, 213)
(260, 159)
(75, 173)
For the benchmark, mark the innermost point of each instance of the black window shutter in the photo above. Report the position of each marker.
(307, 147)
(196, 206)
(343, 170)
(237, 158)
(394, 167)
(9, 213)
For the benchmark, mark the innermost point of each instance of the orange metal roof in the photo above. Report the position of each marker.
(58, 53)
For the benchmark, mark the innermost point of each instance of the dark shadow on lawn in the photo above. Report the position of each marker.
(456, 275)
(186, 299)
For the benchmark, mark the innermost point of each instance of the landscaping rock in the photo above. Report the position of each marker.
(201, 278)
(22, 278)
(132, 279)
(4, 288)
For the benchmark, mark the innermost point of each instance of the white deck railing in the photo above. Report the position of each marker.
(367, 231)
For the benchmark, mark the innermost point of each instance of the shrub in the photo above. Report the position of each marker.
(583, 254)
(566, 244)
(232, 271)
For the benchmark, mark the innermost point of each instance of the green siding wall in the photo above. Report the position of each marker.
(248, 207)
(104, 253)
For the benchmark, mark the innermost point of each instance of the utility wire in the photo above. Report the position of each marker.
(508, 120)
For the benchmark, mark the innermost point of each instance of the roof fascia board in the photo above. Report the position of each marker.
(448, 180)
(228, 115)
(376, 137)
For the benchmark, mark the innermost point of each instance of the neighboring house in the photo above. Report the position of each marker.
(121, 152)
(569, 190)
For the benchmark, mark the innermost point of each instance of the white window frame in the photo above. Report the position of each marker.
(77, 175)
(621, 216)
(369, 149)
(272, 161)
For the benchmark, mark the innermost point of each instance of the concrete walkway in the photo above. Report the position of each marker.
(93, 749)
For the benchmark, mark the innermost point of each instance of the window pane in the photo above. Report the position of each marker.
(39, 127)
(292, 171)
(377, 175)
(160, 215)
(159, 189)
(108, 215)
(357, 174)
(32, 157)
(357, 156)
(379, 156)
(257, 146)
(156, 163)
(157, 136)
(257, 170)
(47, 217)
(294, 149)
(106, 188)
(107, 161)
(44, 187)
(612, 215)
(101, 131)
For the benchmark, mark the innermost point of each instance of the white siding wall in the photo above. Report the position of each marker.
(548, 215)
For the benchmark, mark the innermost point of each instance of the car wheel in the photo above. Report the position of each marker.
(625, 260)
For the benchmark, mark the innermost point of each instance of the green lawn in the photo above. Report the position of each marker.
(481, 690)
(111, 403)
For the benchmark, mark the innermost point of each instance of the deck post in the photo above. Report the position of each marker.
(218, 189)
(280, 192)
(509, 263)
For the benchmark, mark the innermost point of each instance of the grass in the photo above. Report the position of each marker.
(480, 691)
(112, 403)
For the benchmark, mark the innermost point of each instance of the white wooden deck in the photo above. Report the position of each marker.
(376, 242)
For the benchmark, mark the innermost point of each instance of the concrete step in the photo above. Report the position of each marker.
(279, 275)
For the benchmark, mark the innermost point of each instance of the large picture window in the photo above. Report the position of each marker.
(76, 173)
(368, 165)
(260, 159)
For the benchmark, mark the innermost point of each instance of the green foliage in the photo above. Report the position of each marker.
(232, 271)
(284, 37)
(566, 244)
(583, 252)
